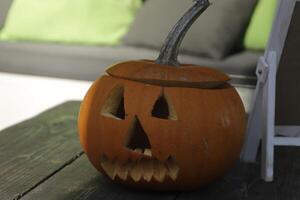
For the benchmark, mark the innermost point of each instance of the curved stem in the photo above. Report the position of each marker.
(169, 52)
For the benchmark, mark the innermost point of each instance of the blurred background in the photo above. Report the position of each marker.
(52, 51)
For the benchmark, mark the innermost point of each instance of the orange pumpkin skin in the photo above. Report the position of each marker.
(195, 145)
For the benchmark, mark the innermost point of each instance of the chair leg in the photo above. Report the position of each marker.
(267, 150)
(254, 132)
(267, 158)
(269, 123)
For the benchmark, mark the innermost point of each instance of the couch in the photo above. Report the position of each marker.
(88, 62)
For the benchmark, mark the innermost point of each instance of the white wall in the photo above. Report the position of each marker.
(23, 96)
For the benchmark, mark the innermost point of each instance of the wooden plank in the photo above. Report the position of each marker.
(233, 186)
(286, 184)
(34, 149)
(244, 182)
(80, 181)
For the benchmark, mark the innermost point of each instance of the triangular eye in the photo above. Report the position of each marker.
(114, 104)
(163, 109)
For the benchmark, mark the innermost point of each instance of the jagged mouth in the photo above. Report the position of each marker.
(147, 168)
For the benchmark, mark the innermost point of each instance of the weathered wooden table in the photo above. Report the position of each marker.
(41, 159)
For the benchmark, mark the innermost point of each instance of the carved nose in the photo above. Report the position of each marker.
(137, 139)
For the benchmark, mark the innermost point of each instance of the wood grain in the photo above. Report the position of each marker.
(244, 182)
(286, 184)
(32, 150)
(81, 181)
(233, 186)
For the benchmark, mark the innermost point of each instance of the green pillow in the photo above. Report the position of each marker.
(70, 21)
(258, 32)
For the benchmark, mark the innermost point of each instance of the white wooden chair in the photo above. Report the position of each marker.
(261, 122)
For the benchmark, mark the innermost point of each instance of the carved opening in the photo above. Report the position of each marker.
(172, 168)
(163, 109)
(114, 104)
(145, 168)
(137, 138)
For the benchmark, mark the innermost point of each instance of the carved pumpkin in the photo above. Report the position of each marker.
(162, 125)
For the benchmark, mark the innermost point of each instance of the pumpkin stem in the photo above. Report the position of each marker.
(169, 52)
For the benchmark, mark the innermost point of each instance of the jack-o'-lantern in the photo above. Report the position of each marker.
(160, 124)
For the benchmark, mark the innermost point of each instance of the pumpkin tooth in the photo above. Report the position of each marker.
(136, 171)
(148, 170)
(122, 170)
(138, 150)
(148, 152)
(172, 168)
(159, 170)
(108, 166)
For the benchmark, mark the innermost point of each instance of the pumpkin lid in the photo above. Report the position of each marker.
(166, 70)
(185, 75)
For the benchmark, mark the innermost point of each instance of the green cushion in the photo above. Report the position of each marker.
(260, 26)
(71, 21)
